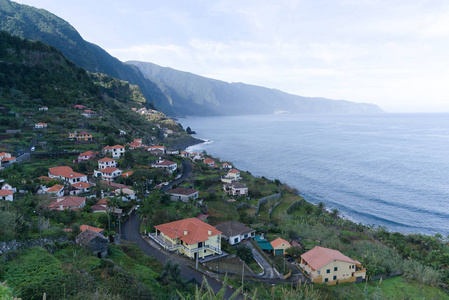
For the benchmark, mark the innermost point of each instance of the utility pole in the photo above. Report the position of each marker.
(129, 226)
(243, 270)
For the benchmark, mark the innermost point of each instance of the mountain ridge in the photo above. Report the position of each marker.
(238, 98)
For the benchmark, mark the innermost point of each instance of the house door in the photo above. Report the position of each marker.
(194, 255)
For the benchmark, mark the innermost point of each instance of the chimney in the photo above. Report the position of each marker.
(185, 232)
(209, 232)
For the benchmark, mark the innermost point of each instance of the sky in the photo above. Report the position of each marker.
(391, 53)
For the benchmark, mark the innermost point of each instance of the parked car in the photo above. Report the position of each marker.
(32, 149)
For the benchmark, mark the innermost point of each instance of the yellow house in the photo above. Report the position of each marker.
(279, 246)
(324, 265)
(191, 237)
(84, 136)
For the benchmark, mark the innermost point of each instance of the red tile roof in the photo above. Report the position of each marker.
(56, 188)
(106, 159)
(87, 153)
(5, 193)
(319, 257)
(209, 161)
(190, 230)
(234, 171)
(103, 201)
(109, 170)
(67, 202)
(66, 172)
(96, 229)
(81, 185)
(277, 242)
(166, 163)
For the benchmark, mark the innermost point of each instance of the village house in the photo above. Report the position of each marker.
(235, 189)
(88, 113)
(106, 163)
(57, 190)
(68, 202)
(232, 176)
(185, 154)
(101, 205)
(8, 187)
(166, 165)
(279, 246)
(226, 166)
(108, 174)
(40, 125)
(127, 174)
(137, 143)
(172, 151)
(156, 150)
(66, 174)
(80, 188)
(117, 151)
(209, 162)
(78, 106)
(86, 156)
(96, 229)
(235, 232)
(126, 194)
(43, 108)
(182, 194)
(6, 158)
(190, 237)
(122, 132)
(82, 136)
(6, 195)
(324, 265)
(94, 242)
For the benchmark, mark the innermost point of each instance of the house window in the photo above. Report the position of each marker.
(326, 279)
(350, 267)
(318, 272)
(328, 271)
(236, 240)
(335, 277)
(335, 269)
(205, 251)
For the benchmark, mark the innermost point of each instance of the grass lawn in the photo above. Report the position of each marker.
(287, 200)
(220, 211)
(233, 264)
(394, 288)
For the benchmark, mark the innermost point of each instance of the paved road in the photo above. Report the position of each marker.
(269, 271)
(186, 171)
(131, 233)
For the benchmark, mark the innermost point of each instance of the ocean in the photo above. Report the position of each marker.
(389, 170)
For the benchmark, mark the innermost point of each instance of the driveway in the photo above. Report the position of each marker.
(132, 233)
(269, 271)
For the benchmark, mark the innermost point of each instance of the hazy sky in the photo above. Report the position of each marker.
(391, 53)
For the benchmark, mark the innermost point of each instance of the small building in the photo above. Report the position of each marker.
(324, 265)
(68, 202)
(117, 151)
(157, 150)
(6, 158)
(86, 156)
(96, 229)
(235, 232)
(88, 113)
(84, 136)
(78, 106)
(190, 237)
(127, 194)
(43, 108)
(80, 188)
(182, 194)
(279, 246)
(6, 195)
(235, 189)
(57, 190)
(40, 125)
(209, 162)
(226, 166)
(107, 163)
(108, 174)
(93, 241)
(127, 174)
(232, 176)
(166, 165)
(66, 174)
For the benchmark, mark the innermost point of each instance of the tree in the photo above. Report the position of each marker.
(128, 159)
(245, 253)
(334, 213)
(171, 272)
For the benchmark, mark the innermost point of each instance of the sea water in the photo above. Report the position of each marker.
(388, 170)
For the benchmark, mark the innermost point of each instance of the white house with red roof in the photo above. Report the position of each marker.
(117, 151)
(126, 194)
(44, 108)
(170, 166)
(107, 162)
(66, 174)
(108, 174)
(159, 150)
(182, 194)
(68, 202)
(6, 158)
(86, 156)
(6, 195)
(330, 266)
(191, 237)
(137, 143)
(80, 188)
(57, 190)
(226, 166)
(209, 162)
(40, 125)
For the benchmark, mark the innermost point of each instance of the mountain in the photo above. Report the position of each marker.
(216, 97)
(170, 91)
(38, 24)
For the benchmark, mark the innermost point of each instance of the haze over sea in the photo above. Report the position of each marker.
(387, 170)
